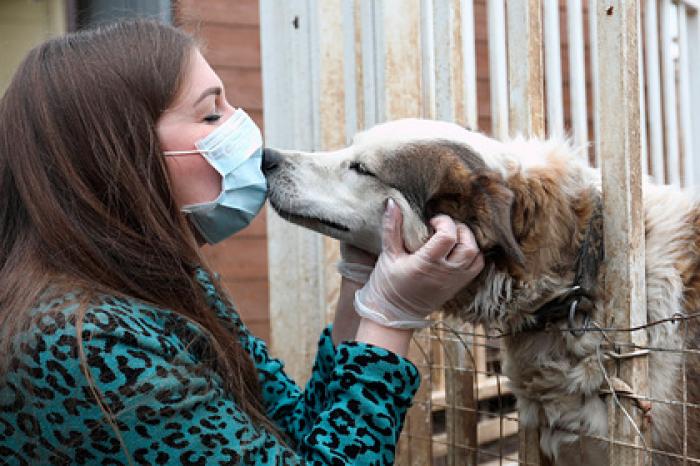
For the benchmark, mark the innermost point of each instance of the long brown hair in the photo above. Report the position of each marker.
(85, 200)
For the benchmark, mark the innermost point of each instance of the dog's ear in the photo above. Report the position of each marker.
(483, 202)
(492, 202)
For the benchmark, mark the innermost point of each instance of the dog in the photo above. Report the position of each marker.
(535, 209)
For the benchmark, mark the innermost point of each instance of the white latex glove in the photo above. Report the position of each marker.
(355, 264)
(405, 288)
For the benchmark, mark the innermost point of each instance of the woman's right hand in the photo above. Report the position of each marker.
(405, 288)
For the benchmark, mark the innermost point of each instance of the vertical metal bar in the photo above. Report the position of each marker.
(498, 73)
(457, 63)
(694, 68)
(653, 77)
(447, 58)
(428, 61)
(369, 63)
(620, 148)
(469, 63)
(684, 96)
(577, 72)
(350, 69)
(398, 38)
(359, 66)
(670, 103)
(595, 85)
(315, 73)
(442, 28)
(642, 100)
(552, 63)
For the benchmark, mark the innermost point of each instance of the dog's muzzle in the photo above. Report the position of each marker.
(271, 160)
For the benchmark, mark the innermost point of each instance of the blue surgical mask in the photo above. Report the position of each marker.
(234, 149)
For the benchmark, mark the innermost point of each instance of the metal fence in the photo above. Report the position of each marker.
(623, 75)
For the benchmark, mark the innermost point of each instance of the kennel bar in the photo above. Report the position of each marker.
(468, 50)
(577, 72)
(620, 154)
(686, 136)
(498, 71)
(438, 51)
(552, 64)
(428, 57)
(668, 75)
(642, 99)
(694, 73)
(352, 70)
(593, 52)
(653, 79)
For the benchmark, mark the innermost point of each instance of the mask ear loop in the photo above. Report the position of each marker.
(238, 118)
(175, 153)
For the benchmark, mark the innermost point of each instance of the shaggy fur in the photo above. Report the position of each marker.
(529, 204)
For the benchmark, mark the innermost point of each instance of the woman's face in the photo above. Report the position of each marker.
(200, 107)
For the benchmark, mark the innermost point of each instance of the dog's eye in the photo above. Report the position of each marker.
(361, 168)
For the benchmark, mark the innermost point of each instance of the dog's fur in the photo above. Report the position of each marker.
(529, 204)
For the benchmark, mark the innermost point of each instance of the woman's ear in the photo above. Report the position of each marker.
(483, 202)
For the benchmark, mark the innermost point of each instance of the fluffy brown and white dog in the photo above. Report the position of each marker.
(536, 212)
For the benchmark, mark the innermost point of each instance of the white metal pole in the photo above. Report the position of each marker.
(684, 84)
(577, 72)
(469, 63)
(498, 68)
(666, 20)
(694, 68)
(552, 63)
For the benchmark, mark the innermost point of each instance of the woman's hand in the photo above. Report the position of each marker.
(404, 288)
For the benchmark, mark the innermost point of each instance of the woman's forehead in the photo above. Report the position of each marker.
(198, 78)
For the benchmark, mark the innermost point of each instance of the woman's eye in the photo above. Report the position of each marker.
(361, 169)
(213, 118)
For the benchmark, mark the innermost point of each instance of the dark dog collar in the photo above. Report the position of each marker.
(566, 306)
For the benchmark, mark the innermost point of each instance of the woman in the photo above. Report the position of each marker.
(119, 156)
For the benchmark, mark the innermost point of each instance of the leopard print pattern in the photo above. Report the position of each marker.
(170, 408)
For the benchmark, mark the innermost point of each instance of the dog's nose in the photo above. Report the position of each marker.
(270, 160)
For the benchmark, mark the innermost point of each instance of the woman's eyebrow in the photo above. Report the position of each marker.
(216, 90)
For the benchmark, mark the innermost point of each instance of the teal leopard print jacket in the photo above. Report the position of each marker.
(146, 363)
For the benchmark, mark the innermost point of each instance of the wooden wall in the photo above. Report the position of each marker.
(229, 32)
